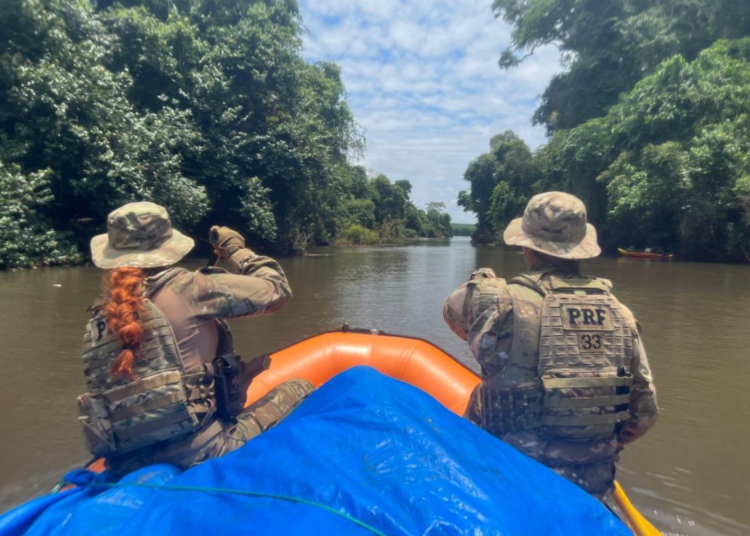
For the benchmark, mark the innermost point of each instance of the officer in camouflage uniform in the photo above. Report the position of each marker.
(565, 376)
(166, 410)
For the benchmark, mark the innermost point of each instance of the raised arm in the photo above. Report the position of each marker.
(257, 285)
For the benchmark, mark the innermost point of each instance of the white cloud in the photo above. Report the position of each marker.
(422, 79)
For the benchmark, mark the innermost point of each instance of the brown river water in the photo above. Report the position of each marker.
(690, 474)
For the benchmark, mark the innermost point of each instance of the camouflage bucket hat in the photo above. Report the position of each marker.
(139, 235)
(554, 223)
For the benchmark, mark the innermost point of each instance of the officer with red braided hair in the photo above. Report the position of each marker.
(164, 383)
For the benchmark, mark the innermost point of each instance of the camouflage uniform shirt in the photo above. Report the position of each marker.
(471, 317)
(191, 302)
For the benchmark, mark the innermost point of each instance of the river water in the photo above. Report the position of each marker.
(690, 474)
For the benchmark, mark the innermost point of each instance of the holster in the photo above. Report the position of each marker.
(232, 377)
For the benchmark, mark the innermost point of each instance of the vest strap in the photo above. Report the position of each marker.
(584, 420)
(585, 402)
(530, 281)
(147, 384)
(149, 405)
(139, 430)
(574, 383)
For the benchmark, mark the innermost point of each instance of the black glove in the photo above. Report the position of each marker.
(225, 241)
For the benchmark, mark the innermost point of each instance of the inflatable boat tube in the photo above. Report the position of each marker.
(412, 360)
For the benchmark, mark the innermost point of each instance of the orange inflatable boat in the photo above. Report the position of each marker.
(412, 360)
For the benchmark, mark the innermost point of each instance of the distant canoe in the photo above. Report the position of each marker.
(645, 255)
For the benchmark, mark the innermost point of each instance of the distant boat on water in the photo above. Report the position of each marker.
(646, 255)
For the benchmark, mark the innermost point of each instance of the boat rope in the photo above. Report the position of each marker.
(202, 489)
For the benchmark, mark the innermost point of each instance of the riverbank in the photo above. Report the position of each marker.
(399, 243)
(613, 253)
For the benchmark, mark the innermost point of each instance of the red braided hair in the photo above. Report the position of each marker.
(124, 289)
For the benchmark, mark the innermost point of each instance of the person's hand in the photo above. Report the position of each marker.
(225, 241)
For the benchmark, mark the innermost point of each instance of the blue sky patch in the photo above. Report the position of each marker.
(423, 81)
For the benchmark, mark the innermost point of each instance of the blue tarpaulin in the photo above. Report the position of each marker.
(364, 454)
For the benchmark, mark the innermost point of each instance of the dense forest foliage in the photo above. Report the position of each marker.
(463, 229)
(203, 106)
(381, 211)
(649, 124)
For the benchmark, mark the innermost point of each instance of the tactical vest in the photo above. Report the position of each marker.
(160, 402)
(567, 374)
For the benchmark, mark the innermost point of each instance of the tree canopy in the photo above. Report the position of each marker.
(607, 46)
(501, 183)
(385, 208)
(648, 123)
(204, 106)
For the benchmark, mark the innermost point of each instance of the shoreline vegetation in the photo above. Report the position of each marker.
(648, 124)
(463, 229)
(206, 107)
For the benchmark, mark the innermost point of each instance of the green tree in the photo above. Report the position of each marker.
(684, 136)
(384, 207)
(607, 46)
(26, 237)
(64, 113)
(390, 199)
(204, 106)
(439, 220)
(672, 157)
(501, 182)
(666, 166)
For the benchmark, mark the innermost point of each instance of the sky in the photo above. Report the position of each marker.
(423, 82)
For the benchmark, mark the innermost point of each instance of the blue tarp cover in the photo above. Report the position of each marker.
(363, 454)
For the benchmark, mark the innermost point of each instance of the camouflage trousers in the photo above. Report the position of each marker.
(221, 437)
(597, 478)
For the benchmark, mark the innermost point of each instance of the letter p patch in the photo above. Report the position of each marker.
(573, 314)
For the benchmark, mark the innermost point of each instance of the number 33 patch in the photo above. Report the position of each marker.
(590, 342)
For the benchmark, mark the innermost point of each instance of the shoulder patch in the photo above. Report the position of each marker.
(607, 283)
